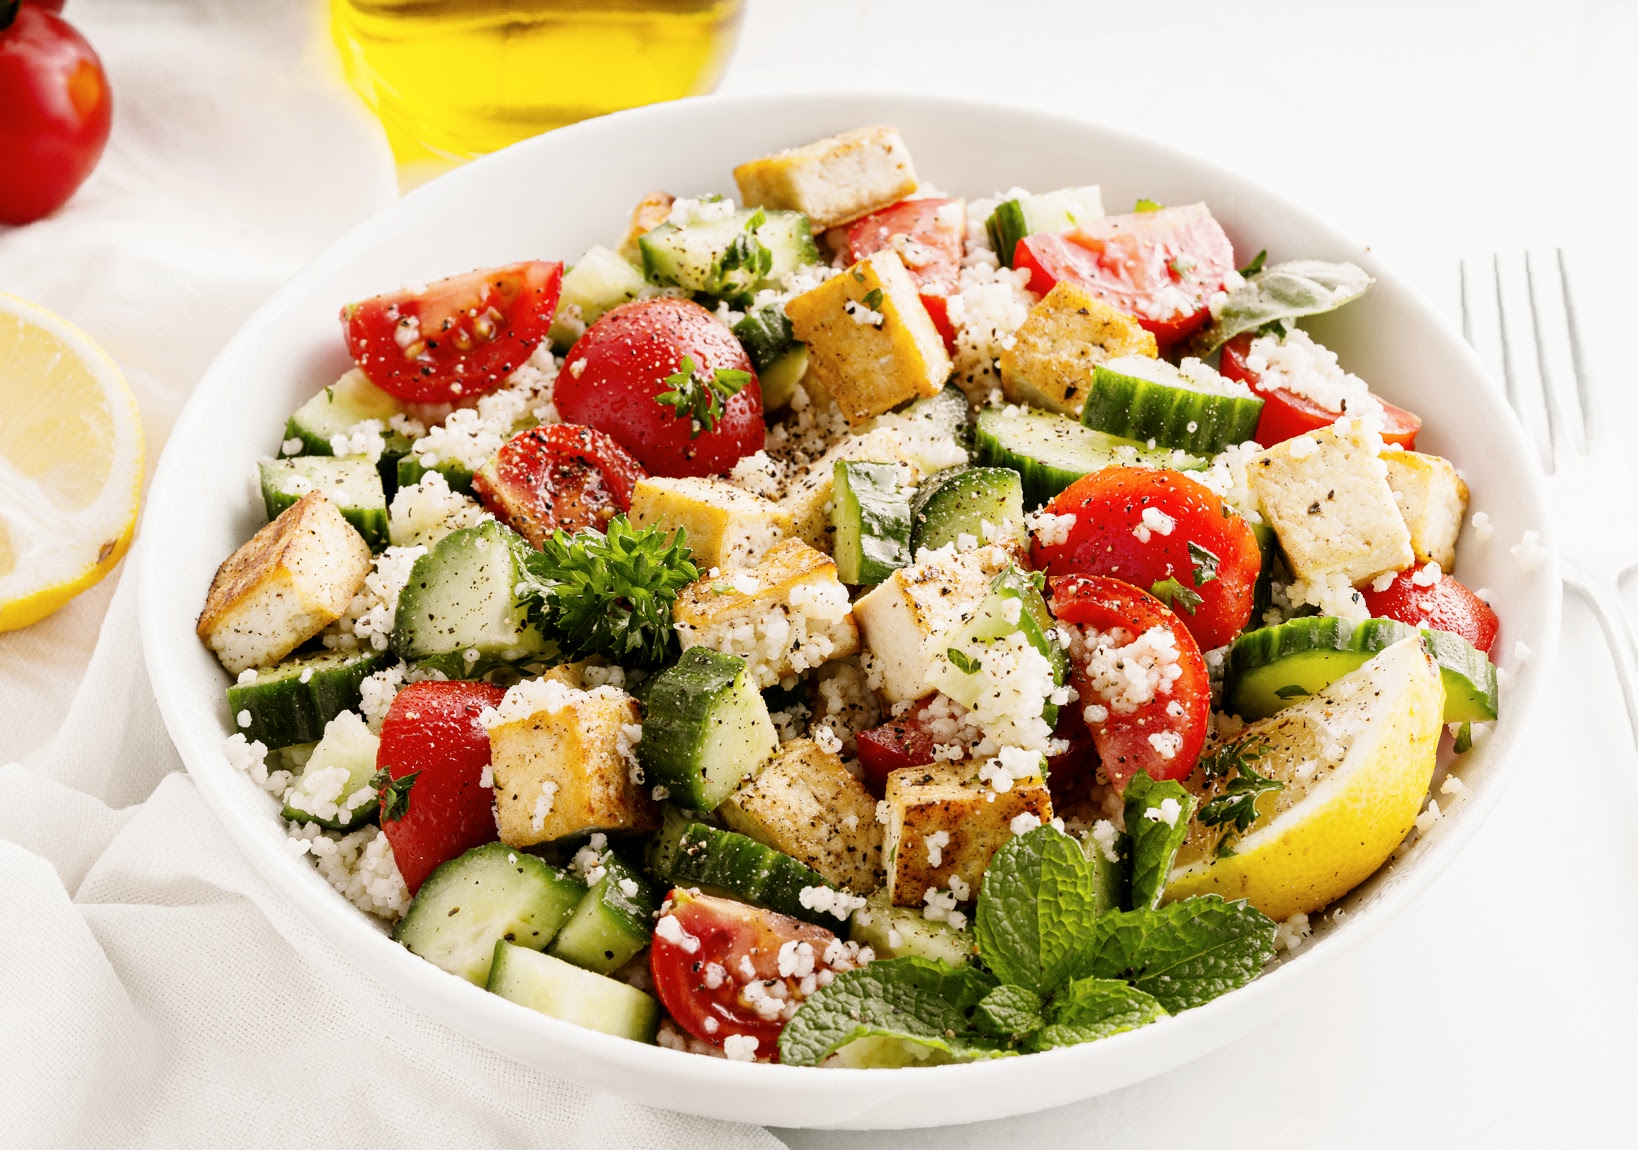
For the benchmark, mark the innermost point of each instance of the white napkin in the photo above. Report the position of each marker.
(153, 990)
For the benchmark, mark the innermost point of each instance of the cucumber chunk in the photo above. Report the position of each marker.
(870, 511)
(1059, 211)
(705, 728)
(460, 612)
(614, 920)
(765, 334)
(323, 794)
(490, 894)
(352, 484)
(731, 256)
(901, 931)
(602, 280)
(292, 702)
(333, 411)
(563, 991)
(1144, 399)
(1014, 604)
(783, 377)
(409, 470)
(1051, 451)
(1275, 666)
(945, 410)
(731, 864)
(961, 501)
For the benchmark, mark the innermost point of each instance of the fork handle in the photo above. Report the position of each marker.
(1602, 597)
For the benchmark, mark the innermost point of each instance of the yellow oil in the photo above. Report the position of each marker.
(457, 78)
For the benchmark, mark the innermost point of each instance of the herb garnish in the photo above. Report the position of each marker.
(702, 395)
(394, 793)
(1175, 595)
(962, 661)
(1205, 564)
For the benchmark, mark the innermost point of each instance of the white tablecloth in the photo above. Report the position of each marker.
(152, 992)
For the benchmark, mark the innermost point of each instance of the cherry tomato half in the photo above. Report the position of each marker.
(1147, 525)
(432, 732)
(1161, 734)
(558, 475)
(1160, 267)
(930, 235)
(618, 369)
(1446, 605)
(897, 743)
(719, 950)
(457, 338)
(55, 113)
(1287, 415)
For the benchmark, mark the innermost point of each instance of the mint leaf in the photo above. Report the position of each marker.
(1008, 1012)
(1036, 909)
(1092, 1008)
(1155, 840)
(1185, 954)
(913, 999)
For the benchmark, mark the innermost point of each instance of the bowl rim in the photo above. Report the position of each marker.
(515, 1031)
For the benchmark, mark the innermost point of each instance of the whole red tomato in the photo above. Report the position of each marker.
(55, 111)
(670, 383)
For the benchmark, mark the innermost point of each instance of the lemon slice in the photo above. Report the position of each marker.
(1355, 761)
(70, 463)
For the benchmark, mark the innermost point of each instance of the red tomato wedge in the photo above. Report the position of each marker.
(1287, 415)
(617, 369)
(715, 951)
(559, 475)
(1445, 605)
(432, 732)
(1161, 733)
(1144, 526)
(1160, 267)
(930, 235)
(898, 743)
(457, 338)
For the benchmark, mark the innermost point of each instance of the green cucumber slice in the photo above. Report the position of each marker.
(1051, 451)
(490, 894)
(731, 864)
(1059, 211)
(765, 334)
(961, 501)
(1145, 399)
(321, 795)
(705, 728)
(409, 470)
(945, 410)
(460, 613)
(731, 256)
(991, 622)
(871, 514)
(352, 484)
(1275, 666)
(348, 401)
(602, 280)
(292, 702)
(564, 991)
(783, 376)
(613, 922)
(902, 931)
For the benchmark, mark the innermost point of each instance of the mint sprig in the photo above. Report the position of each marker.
(1092, 1008)
(701, 396)
(1155, 839)
(1037, 902)
(1184, 954)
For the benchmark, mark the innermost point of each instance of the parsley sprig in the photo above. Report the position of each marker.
(608, 593)
(394, 793)
(1235, 807)
(1176, 596)
(701, 395)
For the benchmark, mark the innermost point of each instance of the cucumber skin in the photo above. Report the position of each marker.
(408, 471)
(740, 867)
(954, 502)
(521, 975)
(286, 711)
(1140, 409)
(677, 707)
(783, 377)
(369, 520)
(1005, 227)
(609, 926)
(1043, 480)
(871, 515)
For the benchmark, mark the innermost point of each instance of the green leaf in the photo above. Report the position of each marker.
(913, 999)
(1184, 954)
(1229, 756)
(1008, 1012)
(1205, 563)
(1036, 907)
(962, 661)
(1256, 264)
(1292, 692)
(873, 299)
(1236, 805)
(1175, 595)
(1282, 292)
(1146, 206)
(394, 793)
(1155, 841)
(702, 397)
(1092, 1008)
(1464, 739)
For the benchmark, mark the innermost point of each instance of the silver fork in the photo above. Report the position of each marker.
(1536, 339)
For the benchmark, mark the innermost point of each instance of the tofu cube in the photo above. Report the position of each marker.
(1433, 500)
(966, 819)
(294, 578)
(905, 618)
(808, 499)
(1068, 333)
(786, 615)
(558, 768)
(871, 343)
(725, 525)
(1327, 497)
(806, 804)
(834, 180)
(651, 211)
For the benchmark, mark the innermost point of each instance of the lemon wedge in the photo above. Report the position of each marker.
(1355, 761)
(70, 463)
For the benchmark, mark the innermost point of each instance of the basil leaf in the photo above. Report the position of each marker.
(1282, 291)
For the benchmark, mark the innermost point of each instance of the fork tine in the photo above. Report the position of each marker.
(1520, 367)
(1585, 392)
(1555, 355)
(1481, 326)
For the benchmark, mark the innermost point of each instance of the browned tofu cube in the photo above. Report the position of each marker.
(1068, 333)
(725, 526)
(834, 180)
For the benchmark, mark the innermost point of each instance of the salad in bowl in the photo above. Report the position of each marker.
(845, 624)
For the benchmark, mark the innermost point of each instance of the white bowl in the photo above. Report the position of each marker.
(553, 196)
